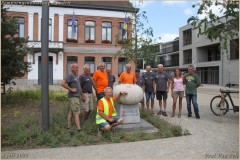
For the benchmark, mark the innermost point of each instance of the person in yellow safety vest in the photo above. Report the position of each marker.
(106, 116)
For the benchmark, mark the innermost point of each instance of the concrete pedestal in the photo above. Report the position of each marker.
(129, 113)
(132, 120)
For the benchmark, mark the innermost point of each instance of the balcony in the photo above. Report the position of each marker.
(173, 48)
(52, 45)
(170, 63)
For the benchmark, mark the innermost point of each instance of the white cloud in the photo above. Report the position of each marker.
(166, 37)
(142, 4)
(188, 11)
(215, 9)
(173, 2)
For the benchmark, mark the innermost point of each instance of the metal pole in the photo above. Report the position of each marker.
(44, 65)
(135, 25)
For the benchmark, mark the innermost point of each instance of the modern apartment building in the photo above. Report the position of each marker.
(169, 55)
(212, 66)
(90, 39)
(204, 54)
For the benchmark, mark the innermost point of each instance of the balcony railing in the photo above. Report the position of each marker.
(37, 44)
(170, 63)
(173, 48)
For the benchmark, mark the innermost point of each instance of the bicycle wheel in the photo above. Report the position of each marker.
(216, 104)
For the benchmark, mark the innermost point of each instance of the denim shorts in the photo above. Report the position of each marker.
(101, 125)
(149, 95)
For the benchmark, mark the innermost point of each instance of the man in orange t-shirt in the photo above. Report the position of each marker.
(100, 81)
(127, 77)
(106, 119)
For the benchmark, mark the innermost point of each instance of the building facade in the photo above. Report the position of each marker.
(212, 66)
(90, 38)
(168, 55)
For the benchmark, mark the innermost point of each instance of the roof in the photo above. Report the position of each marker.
(103, 5)
(123, 5)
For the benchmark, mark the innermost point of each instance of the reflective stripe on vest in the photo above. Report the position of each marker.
(99, 119)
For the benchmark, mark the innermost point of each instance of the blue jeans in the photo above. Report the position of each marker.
(100, 95)
(192, 98)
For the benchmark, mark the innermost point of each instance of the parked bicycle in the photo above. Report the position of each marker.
(215, 103)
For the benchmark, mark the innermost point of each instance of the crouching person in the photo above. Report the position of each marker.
(106, 116)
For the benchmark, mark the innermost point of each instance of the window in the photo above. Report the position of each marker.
(187, 37)
(70, 60)
(50, 29)
(187, 56)
(72, 31)
(214, 53)
(107, 61)
(20, 27)
(175, 60)
(91, 62)
(90, 32)
(106, 32)
(122, 33)
(161, 59)
(234, 49)
(121, 65)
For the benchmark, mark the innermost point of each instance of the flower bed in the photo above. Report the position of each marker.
(90, 41)
(106, 41)
(71, 40)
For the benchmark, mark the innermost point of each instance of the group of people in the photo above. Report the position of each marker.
(81, 97)
(80, 91)
(159, 84)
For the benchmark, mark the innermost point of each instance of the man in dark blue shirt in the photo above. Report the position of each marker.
(87, 94)
(149, 79)
(111, 78)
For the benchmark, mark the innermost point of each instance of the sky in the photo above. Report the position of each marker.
(166, 17)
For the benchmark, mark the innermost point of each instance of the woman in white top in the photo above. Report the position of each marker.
(177, 90)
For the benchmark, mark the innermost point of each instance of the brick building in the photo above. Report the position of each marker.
(92, 39)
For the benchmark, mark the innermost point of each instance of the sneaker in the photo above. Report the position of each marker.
(164, 113)
(197, 117)
(159, 113)
(189, 116)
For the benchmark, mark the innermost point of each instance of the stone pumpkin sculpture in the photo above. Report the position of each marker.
(134, 96)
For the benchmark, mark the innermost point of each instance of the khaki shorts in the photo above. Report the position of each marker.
(74, 105)
(177, 94)
(88, 104)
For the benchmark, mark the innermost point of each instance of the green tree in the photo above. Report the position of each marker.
(225, 28)
(13, 50)
(139, 43)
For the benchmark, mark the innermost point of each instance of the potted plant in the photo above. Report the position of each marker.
(71, 40)
(106, 41)
(123, 41)
(90, 41)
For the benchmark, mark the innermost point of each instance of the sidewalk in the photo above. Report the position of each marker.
(209, 139)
